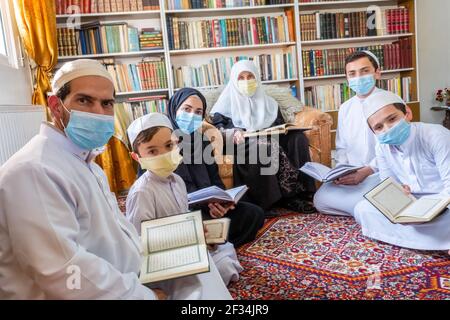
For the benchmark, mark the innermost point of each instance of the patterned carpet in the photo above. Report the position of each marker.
(298, 256)
(325, 257)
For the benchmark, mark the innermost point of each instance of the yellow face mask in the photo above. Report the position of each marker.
(248, 87)
(163, 165)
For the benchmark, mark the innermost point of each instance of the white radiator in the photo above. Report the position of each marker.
(18, 124)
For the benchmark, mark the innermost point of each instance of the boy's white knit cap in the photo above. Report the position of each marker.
(378, 100)
(76, 69)
(370, 53)
(148, 121)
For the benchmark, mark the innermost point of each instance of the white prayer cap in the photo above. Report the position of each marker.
(148, 121)
(370, 53)
(378, 100)
(76, 69)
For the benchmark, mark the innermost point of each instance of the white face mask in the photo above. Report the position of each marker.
(248, 87)
(163, 165)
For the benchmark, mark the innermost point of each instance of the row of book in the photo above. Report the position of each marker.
(328, 97)
(150, 39)
(192, 34)
(331, 97)
(97, 37)
(136, 108)
(207, 4)
(308, 1)
(217, 71)
(323, 26)
(397, 20)
(400, 86)
(150, 74)
(327, 62)
(103, 6)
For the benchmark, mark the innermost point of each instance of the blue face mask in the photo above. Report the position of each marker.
(397, 135)
(362, 85)
(89, 130)
(188, 122)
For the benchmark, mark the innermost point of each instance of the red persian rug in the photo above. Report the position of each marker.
(297, 256)
(326, 257)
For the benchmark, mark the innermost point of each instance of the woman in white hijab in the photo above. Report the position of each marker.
(244, 106)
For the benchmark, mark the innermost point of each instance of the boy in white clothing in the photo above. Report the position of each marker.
(417, 155)
(355, 142)
(160, 193)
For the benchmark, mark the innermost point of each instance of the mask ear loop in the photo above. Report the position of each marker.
(60, 120)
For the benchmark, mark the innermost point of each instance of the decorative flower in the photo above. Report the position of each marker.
(443, 95)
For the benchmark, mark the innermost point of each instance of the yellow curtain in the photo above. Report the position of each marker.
(36, 21)
(116, 160)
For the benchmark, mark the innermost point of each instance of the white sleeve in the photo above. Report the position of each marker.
(341, 146)
(440, 148)
(383, 165)
(374, 164)
(43, 229)
(140, 206)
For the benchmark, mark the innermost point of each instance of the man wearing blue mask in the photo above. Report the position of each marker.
(355, 142)
(417, 155)
(62, 235)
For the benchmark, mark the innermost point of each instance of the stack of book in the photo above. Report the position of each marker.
(103, 6)
(137, 107)
(205, 4)
(217, 71)
(150, 39)
(185, 33)
(323, 26)
(98, 37)
(145, 75)
(331, 97)
(327, 62)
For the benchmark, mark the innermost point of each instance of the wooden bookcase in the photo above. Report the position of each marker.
(175, 58)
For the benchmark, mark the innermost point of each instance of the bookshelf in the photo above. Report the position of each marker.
(201, 55)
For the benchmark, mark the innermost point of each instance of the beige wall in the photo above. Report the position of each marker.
(433, 37)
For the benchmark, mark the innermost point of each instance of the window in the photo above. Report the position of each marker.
(3, 51)
(9, 40)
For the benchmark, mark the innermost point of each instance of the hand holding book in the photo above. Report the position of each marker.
(324, 174)
(217, 210)
(177, 246)
(392, 200)
(276, 130)
(216, 195)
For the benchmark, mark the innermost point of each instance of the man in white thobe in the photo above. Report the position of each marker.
(355, 142)
(417, 155)
(62, 235)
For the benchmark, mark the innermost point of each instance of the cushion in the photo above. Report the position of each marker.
(289, 105)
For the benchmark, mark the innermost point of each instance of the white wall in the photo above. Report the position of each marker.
(15, 84)
(433, 37)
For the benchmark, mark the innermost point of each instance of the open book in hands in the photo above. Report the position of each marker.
(173, 247)
(281, 129)
(322, 173)
(215, 194)
(392, 201)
